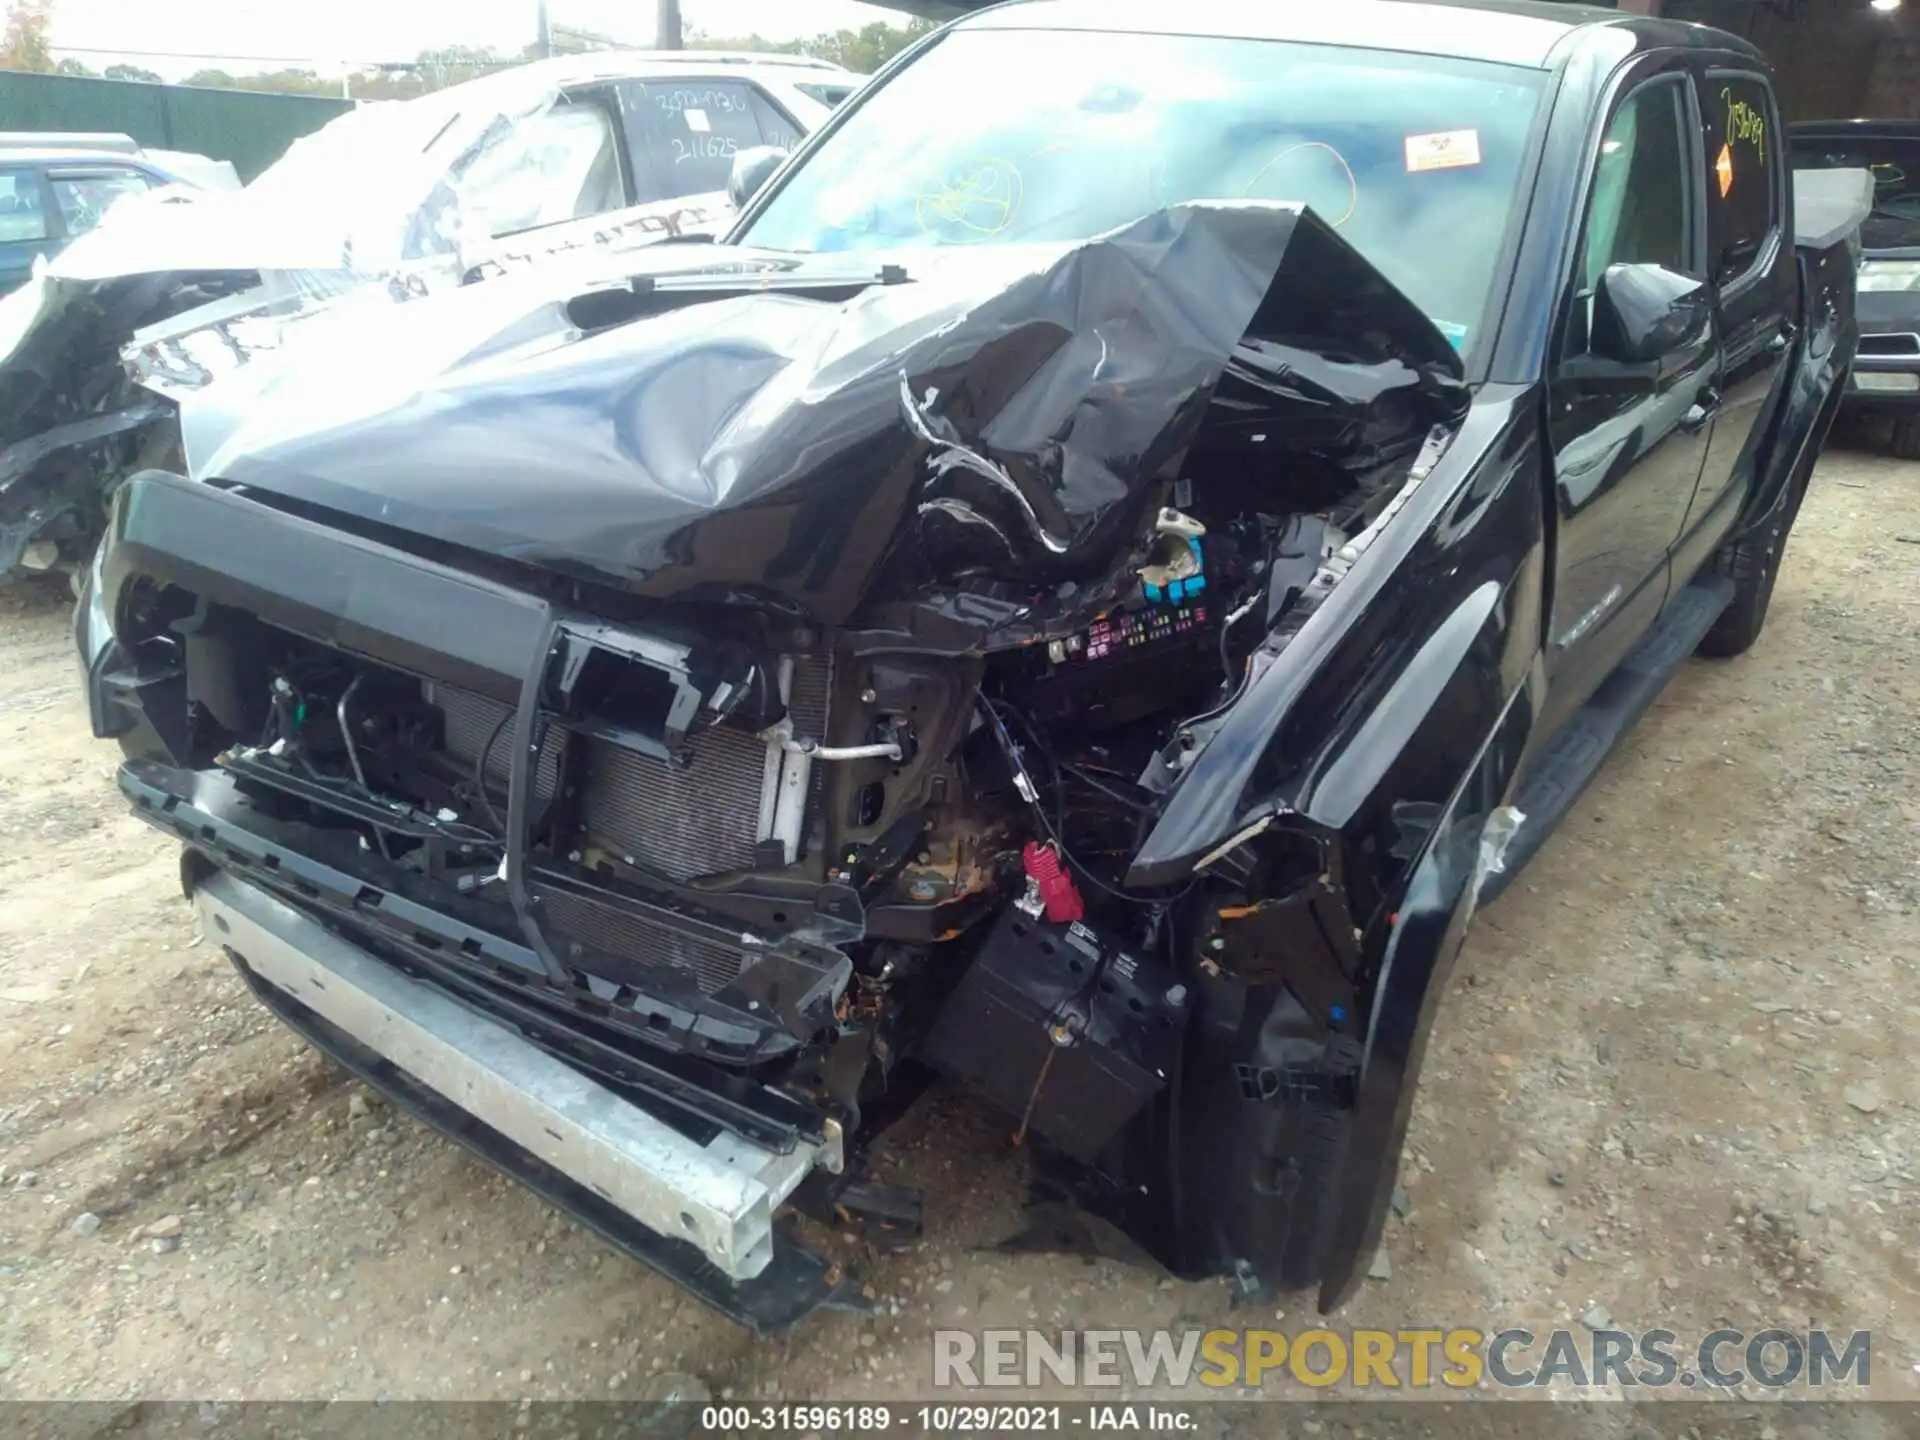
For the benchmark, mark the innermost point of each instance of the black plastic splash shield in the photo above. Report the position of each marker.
(1009, 413)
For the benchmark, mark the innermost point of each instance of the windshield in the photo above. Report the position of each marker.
(1895, 164)
(998, 137)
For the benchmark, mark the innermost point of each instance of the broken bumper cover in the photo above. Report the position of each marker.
(701, 1213)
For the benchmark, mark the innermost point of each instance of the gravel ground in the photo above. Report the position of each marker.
(1667, 1085)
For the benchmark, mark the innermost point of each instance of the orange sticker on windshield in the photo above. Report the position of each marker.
(1723, 167)
(1447, 150)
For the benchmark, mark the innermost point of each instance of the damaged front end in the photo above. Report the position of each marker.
(1086, 671)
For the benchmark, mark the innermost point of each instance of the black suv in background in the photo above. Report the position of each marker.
(1886, 376)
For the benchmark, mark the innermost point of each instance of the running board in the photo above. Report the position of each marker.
(1574, 756)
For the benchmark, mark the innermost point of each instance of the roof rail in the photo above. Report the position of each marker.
(72, 140)
(731, 57)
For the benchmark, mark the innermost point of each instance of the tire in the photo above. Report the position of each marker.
(1752, 563)
(1904, 443)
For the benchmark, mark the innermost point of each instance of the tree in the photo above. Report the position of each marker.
(288, 82)
(212, 80)
(864, 50)
(753, 44)
(74, 67)
(455, 65)
(867, 48)
(132, 72)
(24, 44)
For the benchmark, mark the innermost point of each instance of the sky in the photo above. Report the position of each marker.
(342, 33)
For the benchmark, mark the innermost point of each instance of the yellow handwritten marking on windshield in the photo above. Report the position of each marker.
(1746, 125)
(982, 200)
(1353, 185)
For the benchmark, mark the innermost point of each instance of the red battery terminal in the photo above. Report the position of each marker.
(1059, 898)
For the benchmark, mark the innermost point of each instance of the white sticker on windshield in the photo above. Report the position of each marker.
(1447, 150)
(696, 120)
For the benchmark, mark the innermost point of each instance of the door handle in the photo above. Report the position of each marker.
(1701, 412)
(1779, 343)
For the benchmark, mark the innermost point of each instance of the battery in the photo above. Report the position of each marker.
(1119, 1014)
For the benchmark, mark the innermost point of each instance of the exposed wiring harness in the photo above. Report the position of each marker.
(281, 739)
(480, 773)
(1055, 825)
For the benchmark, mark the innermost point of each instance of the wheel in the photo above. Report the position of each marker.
(1905, 441)
(1752, 563)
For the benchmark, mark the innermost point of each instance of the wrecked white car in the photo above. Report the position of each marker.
(385, 204)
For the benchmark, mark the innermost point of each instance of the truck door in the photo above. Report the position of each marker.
(1754, 277)
(1630, 388)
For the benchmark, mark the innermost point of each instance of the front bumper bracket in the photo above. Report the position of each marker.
(702, 1213)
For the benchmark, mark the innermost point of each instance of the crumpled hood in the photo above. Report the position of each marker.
(745, 427)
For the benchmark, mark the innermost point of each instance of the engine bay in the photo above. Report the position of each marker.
(800, 746)
(819, 864)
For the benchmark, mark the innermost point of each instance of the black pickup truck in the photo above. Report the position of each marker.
(1081, 594)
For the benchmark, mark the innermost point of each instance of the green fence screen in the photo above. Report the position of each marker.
(247, 127)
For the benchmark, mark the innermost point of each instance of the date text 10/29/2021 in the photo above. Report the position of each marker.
(945, 1419)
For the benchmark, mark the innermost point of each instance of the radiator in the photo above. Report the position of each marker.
(681, 822)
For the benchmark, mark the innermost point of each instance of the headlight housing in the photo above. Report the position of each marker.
(1889, 275)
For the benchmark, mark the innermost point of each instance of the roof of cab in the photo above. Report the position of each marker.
(1511, 32)
(592, 65)
(77, 158)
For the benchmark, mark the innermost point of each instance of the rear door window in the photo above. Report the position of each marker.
(84, 197)
(22, 217)
(685, 133)
(1744, 189)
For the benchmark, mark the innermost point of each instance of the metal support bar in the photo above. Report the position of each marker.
(719, 1196)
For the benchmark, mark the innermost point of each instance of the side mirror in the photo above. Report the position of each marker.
(1643, 313)
(752, 168)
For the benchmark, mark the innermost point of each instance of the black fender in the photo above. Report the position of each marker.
(1384, 738)
(1424, 939)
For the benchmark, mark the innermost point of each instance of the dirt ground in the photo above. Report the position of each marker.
(1672, 1082)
